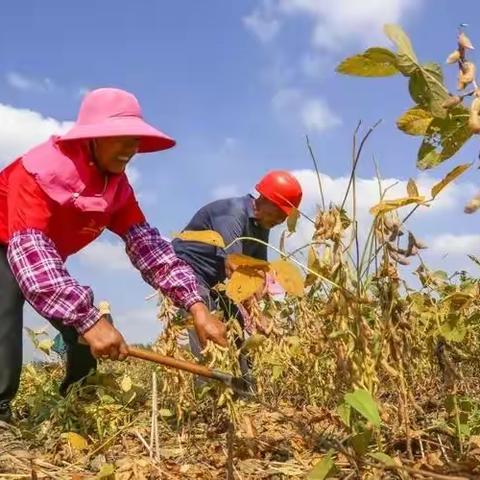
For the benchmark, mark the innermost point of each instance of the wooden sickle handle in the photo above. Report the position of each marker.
(191, 367)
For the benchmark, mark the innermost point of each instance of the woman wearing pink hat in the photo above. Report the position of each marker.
(54, 201)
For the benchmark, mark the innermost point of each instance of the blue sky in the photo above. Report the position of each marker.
(238, 84)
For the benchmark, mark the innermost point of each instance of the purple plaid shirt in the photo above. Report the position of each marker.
(49, 288)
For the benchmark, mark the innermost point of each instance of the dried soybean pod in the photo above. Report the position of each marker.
(452, 101)
(474, 120)
(473, 205)
(454, 57)
(468, 70)
(465, 42)
(399, 258)
(460, 83)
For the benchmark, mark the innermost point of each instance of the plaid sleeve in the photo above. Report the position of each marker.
(155, 258)
(46, 283)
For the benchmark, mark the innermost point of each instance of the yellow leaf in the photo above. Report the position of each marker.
(203, 236)
(244, 283)
(46, 345)
(288, 276)
(412, 189)
(126, 384)
(374, 62)
(313, 264)
(415, 121)
(240, 260)
(389, 205)
(450, 177)
(292, 220)
(165, 412)
(76, 441)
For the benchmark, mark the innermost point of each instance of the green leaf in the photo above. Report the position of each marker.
(374, 62)
(439, 276)
(444, 138)
(427, 157)
(323, 468)
(454, 329)
(344, 410)
(450, 177)
(426, 81)
(406, 58)
(253, 342)
(427, 89)
(363, 402)
(361, 441)
(384, 458)
(277, 371)
(107, 472)
(415, 121)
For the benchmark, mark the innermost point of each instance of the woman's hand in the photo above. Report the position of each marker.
(106, 341)
(208, 326)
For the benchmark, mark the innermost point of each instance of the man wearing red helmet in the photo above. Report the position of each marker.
(233, 218)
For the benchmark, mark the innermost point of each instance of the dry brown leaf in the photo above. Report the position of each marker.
(450, 177)
(389, 205)
(412, 189)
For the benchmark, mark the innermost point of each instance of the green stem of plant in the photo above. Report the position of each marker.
(317, 171)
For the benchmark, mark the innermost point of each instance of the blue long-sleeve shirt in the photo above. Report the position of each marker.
(231, 218)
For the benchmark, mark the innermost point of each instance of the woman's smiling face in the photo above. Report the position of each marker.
(112, 154)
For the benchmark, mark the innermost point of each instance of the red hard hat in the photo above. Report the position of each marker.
(282, 189)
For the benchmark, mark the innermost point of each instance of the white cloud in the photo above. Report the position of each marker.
(313, 65)
(22, 129)
(313, 114)
(340, 22)
(317, 116)
(262, 22)
(105, 255)
(455, 245)
(22, 82)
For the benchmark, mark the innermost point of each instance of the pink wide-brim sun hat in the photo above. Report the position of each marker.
(111, 112)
